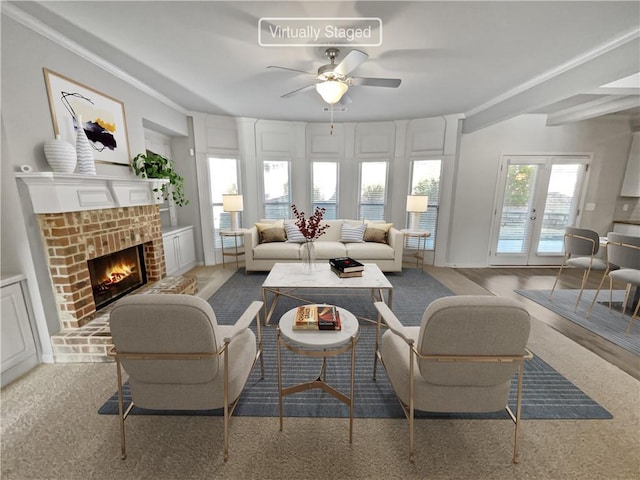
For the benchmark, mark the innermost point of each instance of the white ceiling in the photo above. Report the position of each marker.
(486, 60)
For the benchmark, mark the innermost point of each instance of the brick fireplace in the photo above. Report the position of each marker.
(73, 238)
(83, 218)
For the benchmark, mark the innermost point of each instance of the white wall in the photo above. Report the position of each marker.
(477, 174)
(27, 124)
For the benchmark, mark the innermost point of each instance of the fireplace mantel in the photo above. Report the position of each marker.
(69, 192)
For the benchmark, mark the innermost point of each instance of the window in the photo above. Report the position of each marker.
(277, 197)
(223, 179)
(325, 188)
(373, 190)
(425, 180)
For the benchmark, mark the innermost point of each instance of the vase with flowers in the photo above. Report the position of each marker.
(310, 229)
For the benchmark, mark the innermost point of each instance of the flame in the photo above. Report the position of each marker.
(116, 273)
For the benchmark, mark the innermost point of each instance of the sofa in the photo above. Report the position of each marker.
(274, 241)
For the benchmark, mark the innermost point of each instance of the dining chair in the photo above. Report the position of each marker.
(623, 252)
(581, 246)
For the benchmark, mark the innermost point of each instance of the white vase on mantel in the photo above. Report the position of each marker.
(60, 155)
(86, 162)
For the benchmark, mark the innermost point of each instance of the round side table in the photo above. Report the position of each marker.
(320, 344)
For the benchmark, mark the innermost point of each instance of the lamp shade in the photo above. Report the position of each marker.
(331, 91)
(232, 203)
(417, 203)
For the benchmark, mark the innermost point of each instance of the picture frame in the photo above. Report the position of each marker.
(103, 117)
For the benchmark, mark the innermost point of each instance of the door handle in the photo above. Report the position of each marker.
(532, 218)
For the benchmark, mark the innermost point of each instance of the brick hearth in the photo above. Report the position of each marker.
(91, 342)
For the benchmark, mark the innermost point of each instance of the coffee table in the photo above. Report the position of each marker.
(321, 344)
(286, 278)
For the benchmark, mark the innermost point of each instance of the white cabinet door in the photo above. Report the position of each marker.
(179, 250)
(19, 352)
(186, 249)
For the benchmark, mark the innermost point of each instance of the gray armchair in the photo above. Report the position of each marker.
(460, 359)
(179, 358)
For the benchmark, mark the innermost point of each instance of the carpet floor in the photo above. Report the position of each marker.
(546, 393)
(609, 324)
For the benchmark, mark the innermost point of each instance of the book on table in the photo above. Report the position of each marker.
(317, 317)
(346, 274)
(346, 264)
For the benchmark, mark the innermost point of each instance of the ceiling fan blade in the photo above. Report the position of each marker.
(375, 82)
(293, 70)
(295, 92)
(350, 62)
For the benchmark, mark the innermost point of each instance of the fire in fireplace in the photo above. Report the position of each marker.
(116, 274)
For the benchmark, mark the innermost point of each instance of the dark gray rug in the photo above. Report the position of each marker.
(546, 393)
(609, 324)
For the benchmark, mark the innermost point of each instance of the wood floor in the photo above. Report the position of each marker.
(503, 282)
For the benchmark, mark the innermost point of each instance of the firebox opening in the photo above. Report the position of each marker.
(116, 274)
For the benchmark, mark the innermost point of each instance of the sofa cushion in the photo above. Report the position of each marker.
(273, 235)
(329, 249)
(352, 233)
(294, 235)
(277, 251)
(369, 251)
(375, 235)
(331, 234)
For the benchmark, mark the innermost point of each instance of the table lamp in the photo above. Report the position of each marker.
(416, 204)
(233, 204)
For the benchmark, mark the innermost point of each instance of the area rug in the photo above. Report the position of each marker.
(546, 393)
(609, 324)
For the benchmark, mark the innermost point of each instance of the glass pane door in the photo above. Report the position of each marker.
(538, 198)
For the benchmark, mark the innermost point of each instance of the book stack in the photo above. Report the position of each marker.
(317, 317)
(346, 267)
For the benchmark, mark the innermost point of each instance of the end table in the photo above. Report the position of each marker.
(237, 252)
(421, 235)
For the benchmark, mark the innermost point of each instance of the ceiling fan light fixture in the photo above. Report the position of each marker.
(331, 91)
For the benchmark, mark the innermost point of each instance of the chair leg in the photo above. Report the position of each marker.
(606, 273)
(121, 414)
(516, 458)
(556, 282)
(633, 317)
(585, 276)
(411, 412)
(627, 294)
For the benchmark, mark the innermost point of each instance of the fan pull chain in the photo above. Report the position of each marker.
(331, 126)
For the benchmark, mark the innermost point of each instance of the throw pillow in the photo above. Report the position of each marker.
(352, 234)
(379, 225)
(294, 235)
(375, 235)
(273, 235)
(265, 225)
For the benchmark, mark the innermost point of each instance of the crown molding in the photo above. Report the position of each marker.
(46, 31)
(565, 67)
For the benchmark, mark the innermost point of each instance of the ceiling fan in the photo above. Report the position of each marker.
(335, 80)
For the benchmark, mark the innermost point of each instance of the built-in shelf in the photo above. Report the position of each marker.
(69, 192)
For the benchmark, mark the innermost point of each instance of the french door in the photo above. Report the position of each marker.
(538, 196)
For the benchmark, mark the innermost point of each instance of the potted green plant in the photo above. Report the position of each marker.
(153, 165)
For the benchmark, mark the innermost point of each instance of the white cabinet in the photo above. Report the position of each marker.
(179, 249)
(18, 350)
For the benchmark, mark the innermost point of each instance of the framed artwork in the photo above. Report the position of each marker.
(102, 116)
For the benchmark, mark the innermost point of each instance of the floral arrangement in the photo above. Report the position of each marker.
(310, 227)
